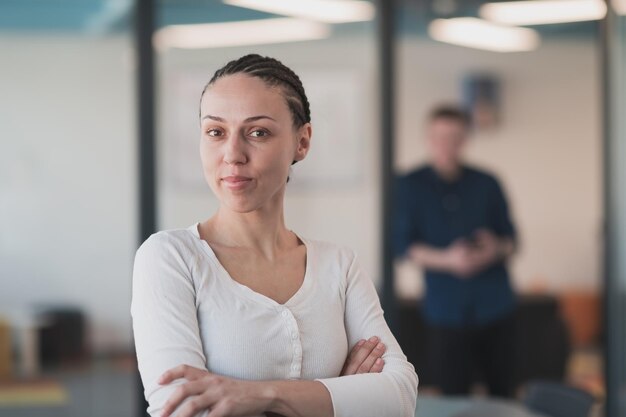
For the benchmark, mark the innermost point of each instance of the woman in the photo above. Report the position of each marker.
(238, 315)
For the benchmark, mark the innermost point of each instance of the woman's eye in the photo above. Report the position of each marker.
(213, 132)
(259, 133)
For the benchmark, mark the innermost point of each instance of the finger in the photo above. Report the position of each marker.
(363, 352)
(378, 366)
(188, 389)
(353, 352)
(172, 374)
(180, 371)
(221, 410)
(356, 348)
(193, 406)
(367, 364)
(357, 356)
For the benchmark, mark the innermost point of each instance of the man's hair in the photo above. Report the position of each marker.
(449, 112)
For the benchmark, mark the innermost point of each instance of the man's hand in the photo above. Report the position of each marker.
(461, 259)
(365, 357)
(467, 260)
(487, 250)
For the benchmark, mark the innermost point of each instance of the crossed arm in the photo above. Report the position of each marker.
(232, 397)
(166, 335)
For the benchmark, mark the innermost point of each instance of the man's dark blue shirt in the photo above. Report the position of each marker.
(436, 212)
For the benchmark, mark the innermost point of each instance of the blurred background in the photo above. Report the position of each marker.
(98, 149)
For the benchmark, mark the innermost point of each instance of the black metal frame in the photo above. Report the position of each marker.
(147, 214)
(613, 299)
(144, 29)
(386, 53)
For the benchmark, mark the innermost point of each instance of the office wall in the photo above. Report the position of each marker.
(68, 193)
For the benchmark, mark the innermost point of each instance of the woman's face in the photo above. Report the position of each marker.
(248, 142)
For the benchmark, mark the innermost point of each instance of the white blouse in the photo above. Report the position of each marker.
(186, 309)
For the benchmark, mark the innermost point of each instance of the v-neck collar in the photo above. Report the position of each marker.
(249, 292)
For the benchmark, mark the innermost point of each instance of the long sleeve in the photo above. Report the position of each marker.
(165, 323)
(404, 230)
(391, 393)
(503, 223)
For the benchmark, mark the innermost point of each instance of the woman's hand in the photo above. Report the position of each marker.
(222, 395)
(365, 357)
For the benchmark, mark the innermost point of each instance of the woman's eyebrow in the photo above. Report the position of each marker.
(249, 119)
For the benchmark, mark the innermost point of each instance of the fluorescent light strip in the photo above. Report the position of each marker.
(248, 32)
(328, 11)
(477, 33)
(539, 12)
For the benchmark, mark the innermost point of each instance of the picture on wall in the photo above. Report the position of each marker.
(481, 99)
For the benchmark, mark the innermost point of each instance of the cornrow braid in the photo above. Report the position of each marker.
(274, 73)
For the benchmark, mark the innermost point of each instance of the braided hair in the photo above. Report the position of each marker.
(273, 73)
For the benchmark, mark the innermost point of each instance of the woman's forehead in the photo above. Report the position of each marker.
(238, 95)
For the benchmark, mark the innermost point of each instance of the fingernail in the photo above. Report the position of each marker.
(378, 361)
(373, 339)
(379, 346)
(360, 342)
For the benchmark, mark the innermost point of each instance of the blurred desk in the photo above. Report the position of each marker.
(431, 406)
(33, 398)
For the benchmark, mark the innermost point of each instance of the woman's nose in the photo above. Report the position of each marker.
(234, 152)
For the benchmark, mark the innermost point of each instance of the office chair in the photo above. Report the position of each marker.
(557, 400)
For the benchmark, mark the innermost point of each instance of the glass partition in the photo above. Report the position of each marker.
(67, 208)
(532, 91)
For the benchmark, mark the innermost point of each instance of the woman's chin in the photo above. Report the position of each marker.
(247, 202)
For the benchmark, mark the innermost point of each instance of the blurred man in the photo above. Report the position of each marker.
(452, 220)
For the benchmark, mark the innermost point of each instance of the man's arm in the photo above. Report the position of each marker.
(461, 258)
(491, 249)
(456, 259)
(429, 257)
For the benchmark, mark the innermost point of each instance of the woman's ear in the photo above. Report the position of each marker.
(303, 137)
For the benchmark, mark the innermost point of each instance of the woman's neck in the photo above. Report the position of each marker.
(262, 230)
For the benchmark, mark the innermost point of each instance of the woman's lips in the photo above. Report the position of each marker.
(236, 182)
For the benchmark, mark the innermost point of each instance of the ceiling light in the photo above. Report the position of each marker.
(538, 12)
(248, 32)
(329, 11)
(477, 33)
